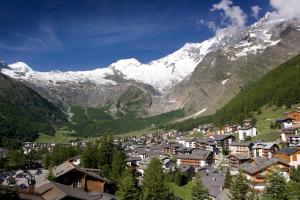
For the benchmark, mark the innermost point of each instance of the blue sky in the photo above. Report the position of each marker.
(85, 34)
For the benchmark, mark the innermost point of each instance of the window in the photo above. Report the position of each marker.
(78, 184)
(295, 157)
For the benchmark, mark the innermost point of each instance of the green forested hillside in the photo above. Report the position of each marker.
(280, 87)
(95, 122)
(24, 113)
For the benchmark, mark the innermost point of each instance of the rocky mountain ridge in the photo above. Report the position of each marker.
(199, 76)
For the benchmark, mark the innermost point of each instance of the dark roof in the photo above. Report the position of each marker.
(141, 151)
(196, 155)
(214, 181)
(259, 164)
(184, 149)
(283, 119)
(155, 147)
(246, 127)
(185, 168)
(208, 141)
(244, 144)
(288, 151)
(221, 137)
(240, 157)
(67, 166)
(264, 145)
(152, 153)
(67, 191)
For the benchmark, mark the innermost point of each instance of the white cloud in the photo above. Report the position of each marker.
(286, 8)
(234, 14)
(255, 11)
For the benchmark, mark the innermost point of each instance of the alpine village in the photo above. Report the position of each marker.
(213, 120)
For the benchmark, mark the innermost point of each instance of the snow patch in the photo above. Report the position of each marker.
(224, 81)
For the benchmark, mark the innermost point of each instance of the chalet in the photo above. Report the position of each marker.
(241, 148)
(284, 122)
(184, 150)
(236, 160)
(293, 140)
(289, 155)
(208, 144)
(257, 169)
(294, 115)
(187, 142)
(140, 152)
(264, 149)
(286, 132)
(222, 141)
(213, 181)
(49, 190)
(132, 161)
(247, 131)
(229, 129)
(170, 148)
(187, 170)
(77, 177)
(197, 159)
(3, 152)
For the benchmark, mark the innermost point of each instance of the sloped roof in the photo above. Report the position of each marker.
(55, 191)
(67, 167)
(196, 155)
(263, 145)
(185, 168)
(221, 137)
(244, 144)
(289, 150)
(259, 164)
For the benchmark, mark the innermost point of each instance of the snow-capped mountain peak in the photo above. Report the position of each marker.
(21, 67)
(164, 73)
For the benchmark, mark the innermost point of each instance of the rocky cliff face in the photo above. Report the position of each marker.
(201, 77)
(224, 72)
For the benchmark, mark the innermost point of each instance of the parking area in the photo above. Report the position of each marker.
(20, 177)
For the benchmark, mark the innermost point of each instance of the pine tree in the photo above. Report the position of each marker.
(239, 187)
(179, 179)
(199, 191)
(127, 187)
(105, 154)
(89, 156)
(227, 180)
(276, 186)
(153, 185)
(118, 166)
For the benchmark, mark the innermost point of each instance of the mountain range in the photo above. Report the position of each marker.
(199, 77)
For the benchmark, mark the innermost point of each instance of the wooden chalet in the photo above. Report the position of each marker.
(236, 160)
(77, 177)
(197, 159)
(290, 155)
(257, 170)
